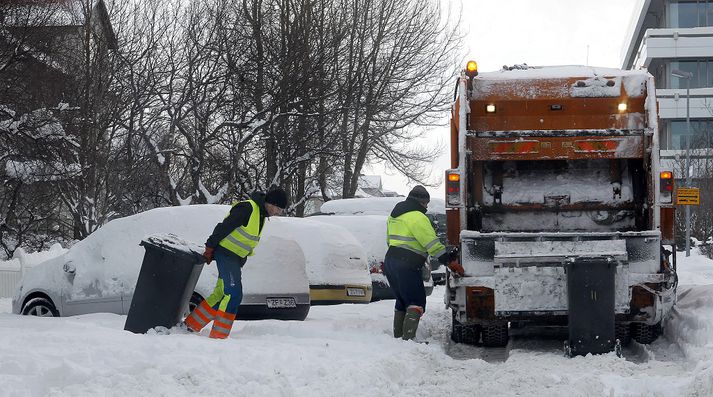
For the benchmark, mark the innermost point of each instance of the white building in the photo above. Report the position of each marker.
(668, 35)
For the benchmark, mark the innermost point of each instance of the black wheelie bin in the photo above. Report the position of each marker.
(591, 295)
(168, 276)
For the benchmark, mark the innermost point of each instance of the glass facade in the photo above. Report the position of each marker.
(677, 134)
(702, 70)
(690, 13)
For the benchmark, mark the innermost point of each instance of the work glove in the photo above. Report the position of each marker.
(208, 254)
(456, 267)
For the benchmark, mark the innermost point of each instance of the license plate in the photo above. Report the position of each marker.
(355, 292)
(280, 303)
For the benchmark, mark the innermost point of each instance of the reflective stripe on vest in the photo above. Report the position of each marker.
(400, 233)
(400, 236)
(243, 239)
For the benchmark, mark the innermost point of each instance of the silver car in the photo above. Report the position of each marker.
(99, 273)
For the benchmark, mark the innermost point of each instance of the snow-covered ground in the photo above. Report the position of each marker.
(347, 350)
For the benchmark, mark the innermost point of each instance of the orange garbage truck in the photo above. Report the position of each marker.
(559, 206)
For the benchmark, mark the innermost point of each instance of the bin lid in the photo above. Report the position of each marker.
(175, 245)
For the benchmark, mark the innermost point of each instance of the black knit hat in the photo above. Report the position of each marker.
(420, 193)
(277, 197)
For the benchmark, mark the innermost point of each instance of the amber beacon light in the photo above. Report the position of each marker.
(471, 69)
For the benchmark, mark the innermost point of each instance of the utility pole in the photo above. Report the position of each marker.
(687, 75)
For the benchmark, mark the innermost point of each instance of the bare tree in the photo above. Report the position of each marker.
(399, 60)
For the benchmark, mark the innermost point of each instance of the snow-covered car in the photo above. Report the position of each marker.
(99, 273)
(374, 206)
(370, 231)
(336, 262)
(436, 212)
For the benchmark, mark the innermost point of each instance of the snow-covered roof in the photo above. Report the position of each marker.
(370, 181)
(57, 13)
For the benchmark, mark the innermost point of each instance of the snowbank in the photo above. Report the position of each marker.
(347, 350)
(340, 350)
(694, 270)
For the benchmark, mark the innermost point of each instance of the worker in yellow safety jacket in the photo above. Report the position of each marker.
(232, 241)
(411, 240)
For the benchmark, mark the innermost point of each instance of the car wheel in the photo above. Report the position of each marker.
(39, 307)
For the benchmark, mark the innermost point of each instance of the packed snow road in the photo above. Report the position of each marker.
(347, 350)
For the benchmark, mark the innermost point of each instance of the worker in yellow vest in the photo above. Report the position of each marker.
(411, 240)
(232, 241)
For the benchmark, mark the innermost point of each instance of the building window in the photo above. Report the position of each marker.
(690, 13)
(676, 134)
(702, 70)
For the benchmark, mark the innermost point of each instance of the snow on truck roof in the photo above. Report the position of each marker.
(555, 72)
(560, 82)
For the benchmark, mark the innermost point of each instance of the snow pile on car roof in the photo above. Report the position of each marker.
(108, 261)
(333, 256)
(375, 206)
(369, 230)
(30, 259)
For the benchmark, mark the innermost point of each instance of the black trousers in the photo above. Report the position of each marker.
(406, 282)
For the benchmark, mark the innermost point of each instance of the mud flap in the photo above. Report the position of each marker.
(590, 298)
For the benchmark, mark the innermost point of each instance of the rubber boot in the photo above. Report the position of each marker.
(413, 316)
(399, 316)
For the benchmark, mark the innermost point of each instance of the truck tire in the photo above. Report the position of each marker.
(622, 332)
(468, 334)
(495, 335)
(644, 333)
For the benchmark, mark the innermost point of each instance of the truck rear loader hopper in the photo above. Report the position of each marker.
(559, 206)
(522, 278)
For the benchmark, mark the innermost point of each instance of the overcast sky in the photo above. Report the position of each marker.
(536, 32)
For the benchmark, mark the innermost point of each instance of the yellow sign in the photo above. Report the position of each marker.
(688, 196)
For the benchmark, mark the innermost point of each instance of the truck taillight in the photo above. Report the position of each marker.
(666, 187)
(453, 188)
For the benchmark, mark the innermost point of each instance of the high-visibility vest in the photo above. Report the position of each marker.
(243, 239)
(413, 231)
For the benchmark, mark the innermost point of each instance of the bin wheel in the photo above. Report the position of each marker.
(622, 332)
(195, 300)
(495, 335)
(461, 333)
(567, 349)
(644, 333)
(40, 307)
